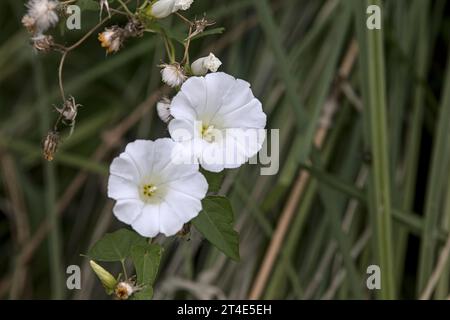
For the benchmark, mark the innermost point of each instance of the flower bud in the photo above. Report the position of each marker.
(134, 28)
(201, 66)
(173, 74)
(106, 278)
(162, 8)
(163, 109)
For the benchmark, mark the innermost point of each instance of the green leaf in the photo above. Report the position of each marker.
(214, 180)
(145, 294)
(215, 223)
(90, 5)
(146, 260)
(115, 246)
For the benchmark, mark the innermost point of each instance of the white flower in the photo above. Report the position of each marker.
(201, 66)
(173, 74)
(182, 4)
(164, 8)
(154, 194)
(218, 121)
(111, 39)
(163, 109)
(42, 14)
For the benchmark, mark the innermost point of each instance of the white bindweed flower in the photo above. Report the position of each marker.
(154, 194)
(163, 109)
(218, 121)
(163, 8)
(173, 74)
(41, 15)
(201, 66)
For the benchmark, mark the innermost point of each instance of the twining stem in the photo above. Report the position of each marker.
(65, 51)
(125, 274)
(169, 48)
(60, 69)
(188, 22)
(187, 43)
(125, 7)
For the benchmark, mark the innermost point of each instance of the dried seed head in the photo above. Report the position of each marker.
(134, 28)
(29, 23)
(43, 43)
(50, 145)
(163, 109)
(124, 290)
(69, 110)
(41, 15)
(200, 25)
(111, 39)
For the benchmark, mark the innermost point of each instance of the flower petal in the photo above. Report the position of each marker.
(217, 86)
(169, 223)
(128, 210)
(166, 167)
(182, 130)
(147, 223)
(142, 152)
(185, 206)
(120, 188)
(240, 94)
(182, 108)
(124, 167)
(194, 185)
(249, 115)
(195, 91)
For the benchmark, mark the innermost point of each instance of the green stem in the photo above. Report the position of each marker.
(374, 94)
(436, 184)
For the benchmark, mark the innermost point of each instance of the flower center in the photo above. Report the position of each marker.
(148, 191)
(207, 132)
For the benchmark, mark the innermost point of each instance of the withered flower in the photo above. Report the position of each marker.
(69, 110)
(50, 145)
(43, 43)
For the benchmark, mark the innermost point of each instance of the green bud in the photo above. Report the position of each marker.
(107, 279)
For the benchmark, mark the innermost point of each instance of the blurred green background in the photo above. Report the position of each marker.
(364, 152)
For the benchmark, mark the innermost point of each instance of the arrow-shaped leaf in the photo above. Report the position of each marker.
(146, 260)
(115, 246)
(215, 223)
